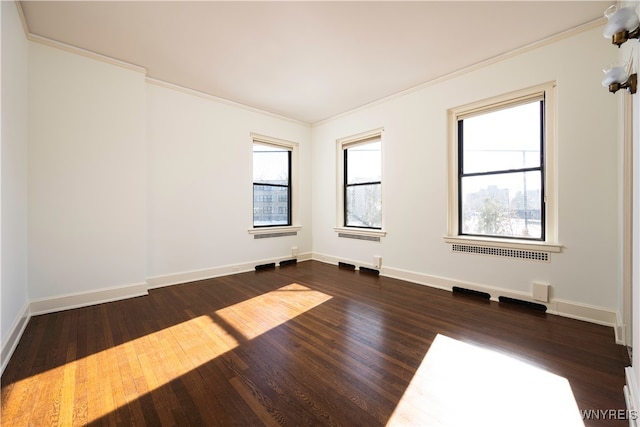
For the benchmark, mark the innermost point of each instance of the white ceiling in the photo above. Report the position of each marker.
(303, 60)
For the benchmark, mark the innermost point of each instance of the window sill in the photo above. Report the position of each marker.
(272, 230)
(365, 232)
(504, 243)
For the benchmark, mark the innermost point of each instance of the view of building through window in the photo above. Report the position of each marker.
(271, 185)
(362, 185)
(501, 163)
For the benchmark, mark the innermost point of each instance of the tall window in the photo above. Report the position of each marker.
(271, 185)
(362, 189)
(501, 170)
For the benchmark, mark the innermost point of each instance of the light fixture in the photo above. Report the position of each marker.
(623, 24)
(617, 77)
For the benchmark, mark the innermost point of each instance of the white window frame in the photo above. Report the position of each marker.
(341, 145)
(550, 240)
(293, 148)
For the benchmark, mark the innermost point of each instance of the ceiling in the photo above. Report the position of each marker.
(304, 60)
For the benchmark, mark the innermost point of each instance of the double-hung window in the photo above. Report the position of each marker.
(501, 169)
(360, 178)
(272, 195)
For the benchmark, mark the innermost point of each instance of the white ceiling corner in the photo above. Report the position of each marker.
(307, 60)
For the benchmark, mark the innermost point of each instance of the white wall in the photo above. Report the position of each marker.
(13, 178)
(415, 176)
(131, 180)
(87, 174)
(200, 183)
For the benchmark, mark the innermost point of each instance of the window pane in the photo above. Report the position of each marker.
(270, 205)
(364, 163)
(508, 205)
(270, 165)
(502, 140)
(363, 206)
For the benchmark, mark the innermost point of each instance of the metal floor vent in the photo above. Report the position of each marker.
(276, 234)
(471, 292)
(510, 253)
(359, 237)
(521, 303)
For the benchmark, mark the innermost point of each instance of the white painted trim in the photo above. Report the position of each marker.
(548, 92)
(360, 231)
(571, 309)
(269, 140)
(13, 338)
(219, 100)
(598, 315)
(196, 275)
(86, 53)
(449, 76)
(632, 396)
(343, 144)
(271, 230)
(100, 296)
(621, 330)
(210, 273)
(589, 313)
(137, 68)
(330, 259)
(23, 20)
(361, 137)
(627, 218)
(84, 299)
(574, 310)
(294, 179)
(535, 45)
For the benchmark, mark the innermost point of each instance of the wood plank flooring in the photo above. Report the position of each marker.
(308, 344)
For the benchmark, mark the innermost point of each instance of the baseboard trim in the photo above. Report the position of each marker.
(589, 313)
(105, 295)
(620, 330)
(330, 259)
(632, 396)
(84, 299)
(210, 273)
(570, 309)
(13, 338)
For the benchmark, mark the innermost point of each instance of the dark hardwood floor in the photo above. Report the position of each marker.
(307, 344)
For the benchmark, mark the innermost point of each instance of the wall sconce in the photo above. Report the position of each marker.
(623, 24)
(617, 77)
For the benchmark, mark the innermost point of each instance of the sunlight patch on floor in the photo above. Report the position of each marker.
(96, 385)
(260, 314)
(460, 384)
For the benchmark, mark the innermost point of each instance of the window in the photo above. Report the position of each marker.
(501, 180)
(271, 177)
(360, 183)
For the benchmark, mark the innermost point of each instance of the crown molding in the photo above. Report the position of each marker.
(193, 92)
(136, 68)
(524, 49)
(23, 20)
(73, 49)
(86, 53)
(466, 70)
